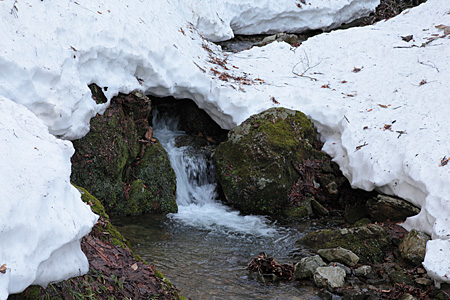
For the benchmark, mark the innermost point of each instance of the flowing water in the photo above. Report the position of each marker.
(205, 247)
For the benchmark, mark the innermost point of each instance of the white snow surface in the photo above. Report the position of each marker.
(42, 216)
(219, 20)
(379, 103)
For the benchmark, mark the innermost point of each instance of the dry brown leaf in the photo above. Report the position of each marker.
(149, 133)
(3, 269)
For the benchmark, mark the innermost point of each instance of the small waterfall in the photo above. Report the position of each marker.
(197, 199)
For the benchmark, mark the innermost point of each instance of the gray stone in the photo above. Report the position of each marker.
(423, 281)
(413, 247)
(280, 37)
(363, 271)
(329, 277)
(307, 266)
(339, 254)
(384, 207)
(347, 270)
(407, 296)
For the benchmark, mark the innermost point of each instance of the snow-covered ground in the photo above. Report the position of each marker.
(379, 102)
(42, 216)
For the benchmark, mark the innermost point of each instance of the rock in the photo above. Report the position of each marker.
(413, 247)
(129, 173)
(325, 294)
(369, 243)
(329, 277)
(407, 296)
(339, 254)
(280, 37)
(363, 271)
(318, 208)
(384, 207)
(307, 266)
(354, 293)
(424, 281)
(255, 165)
(302, 211)
(347, 270)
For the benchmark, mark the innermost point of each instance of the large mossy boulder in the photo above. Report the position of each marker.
(255, 166)
(120, 161)
(370, 242)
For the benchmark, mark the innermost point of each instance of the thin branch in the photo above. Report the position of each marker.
(305, 61)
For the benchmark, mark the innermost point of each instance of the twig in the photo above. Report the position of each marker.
(306, 66)
(360, 146)
(431, 64)
(14, 9)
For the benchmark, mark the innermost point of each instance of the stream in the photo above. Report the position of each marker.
(204, 249)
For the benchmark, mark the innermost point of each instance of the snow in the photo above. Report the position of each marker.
(43, 217)
(219, 20)
(378, 102)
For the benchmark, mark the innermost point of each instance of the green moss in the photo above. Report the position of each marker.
(298, 213)
(108, 229)
(369, 242)
(255, 165)
(114, 154)
(159, 274)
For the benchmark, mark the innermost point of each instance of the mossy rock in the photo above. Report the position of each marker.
(369, 242)
(158, 180)
(117, 152)
(255, 165)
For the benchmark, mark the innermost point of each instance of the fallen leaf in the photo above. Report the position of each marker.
(134, 266)
(149, 133)
(3, 269)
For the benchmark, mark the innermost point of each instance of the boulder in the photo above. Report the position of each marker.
(120, 161)
(307, 266)
(384, 207)
(255, 165)
(364, 271)
(329, 277)
(280, 37)
(339, 254)
(369, 243)
(413, 246)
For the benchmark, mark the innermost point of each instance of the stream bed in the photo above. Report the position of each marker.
(205, 248)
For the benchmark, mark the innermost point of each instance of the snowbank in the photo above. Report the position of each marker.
(43, 218)
(379, 102)
(219, 20)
